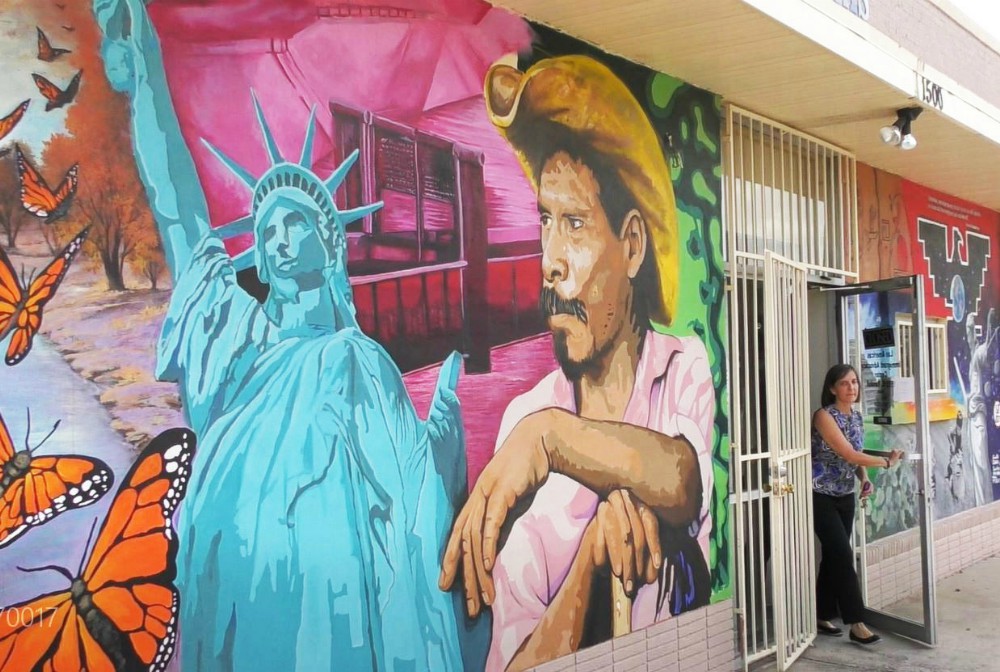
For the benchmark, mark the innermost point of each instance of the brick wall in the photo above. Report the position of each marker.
(935, 38)
(698, 641)
(959, 541)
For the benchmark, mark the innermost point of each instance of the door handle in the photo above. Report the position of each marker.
(782, 489)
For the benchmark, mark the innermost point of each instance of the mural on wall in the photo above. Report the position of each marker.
(436, 292)
(956, 246)
(884, 230)
(960, 249)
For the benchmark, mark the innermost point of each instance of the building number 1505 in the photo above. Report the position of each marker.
(932, 93)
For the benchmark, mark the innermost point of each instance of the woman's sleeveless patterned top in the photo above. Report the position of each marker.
(832, 474)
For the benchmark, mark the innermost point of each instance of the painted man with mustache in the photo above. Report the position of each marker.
(604, 467)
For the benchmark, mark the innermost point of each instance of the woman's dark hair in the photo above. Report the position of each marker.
(836, 372)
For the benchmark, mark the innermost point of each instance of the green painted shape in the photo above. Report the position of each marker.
(702, 134)
(702, 189)
(661, 89)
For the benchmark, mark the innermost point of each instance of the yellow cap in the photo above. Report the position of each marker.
(585, 97)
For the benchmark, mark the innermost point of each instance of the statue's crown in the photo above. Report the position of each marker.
(284, 177)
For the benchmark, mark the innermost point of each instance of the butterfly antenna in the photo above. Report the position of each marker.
(47, 436)
(86, 548)
(28, 432)
(47, 568)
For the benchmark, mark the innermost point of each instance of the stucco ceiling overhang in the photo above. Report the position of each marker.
(809, 64)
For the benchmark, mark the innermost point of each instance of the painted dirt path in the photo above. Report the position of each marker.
(46, 384)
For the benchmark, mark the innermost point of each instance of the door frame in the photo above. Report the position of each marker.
(925, 632)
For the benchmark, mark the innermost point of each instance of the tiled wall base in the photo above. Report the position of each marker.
(959, 541)
(699, 641)
(704, 640)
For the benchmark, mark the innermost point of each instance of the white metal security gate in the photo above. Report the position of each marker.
(794, 195)
(751, 459)
(786, 338)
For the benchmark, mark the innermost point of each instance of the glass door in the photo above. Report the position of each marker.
(883, 334)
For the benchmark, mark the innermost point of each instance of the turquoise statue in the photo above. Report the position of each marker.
(312, 533)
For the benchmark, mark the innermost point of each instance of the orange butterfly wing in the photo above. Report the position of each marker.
(8, 123)
(6, 444)
(42, 288)
(132, 567)
(36, 195)
(11, 293)
(52, 485)
(46, 52)
(44, 46)
(47, 88)
(130, 620)
(67, 187)
(56, 96)
(49, 634)
(48, 486)
(32, 632)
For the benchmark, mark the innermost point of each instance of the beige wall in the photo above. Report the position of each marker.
(924, 29)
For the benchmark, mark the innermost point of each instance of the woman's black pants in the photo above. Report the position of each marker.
(837, 589)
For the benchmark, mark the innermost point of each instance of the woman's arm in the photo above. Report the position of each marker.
(830, 431)
(134, 65)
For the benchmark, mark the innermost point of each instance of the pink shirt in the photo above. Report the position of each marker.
(674, 395)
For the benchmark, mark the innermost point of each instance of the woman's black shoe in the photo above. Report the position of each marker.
(871, 639)
(828, 629)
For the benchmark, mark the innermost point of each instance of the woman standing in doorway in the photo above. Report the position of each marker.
(837, 434)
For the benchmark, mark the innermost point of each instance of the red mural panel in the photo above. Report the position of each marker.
(955, 245)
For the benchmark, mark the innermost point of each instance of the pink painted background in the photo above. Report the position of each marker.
(420, 63)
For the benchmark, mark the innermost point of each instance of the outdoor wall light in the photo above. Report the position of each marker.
(899, 133)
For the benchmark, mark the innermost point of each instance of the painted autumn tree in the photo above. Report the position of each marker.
(149, 260)
(110, 196)
(12, 215)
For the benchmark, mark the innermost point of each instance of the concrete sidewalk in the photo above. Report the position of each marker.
(968, 614)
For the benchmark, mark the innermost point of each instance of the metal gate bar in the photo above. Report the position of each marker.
(785, 192)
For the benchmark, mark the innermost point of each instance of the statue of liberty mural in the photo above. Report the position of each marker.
(313, 529)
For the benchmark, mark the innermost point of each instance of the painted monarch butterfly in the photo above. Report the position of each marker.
(46, 52)
(20, 310)
(57, 97)
(120, 610)
(8, 123)
(36, 196)
(36, 488)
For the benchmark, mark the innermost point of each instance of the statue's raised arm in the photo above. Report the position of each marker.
(134, 65)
